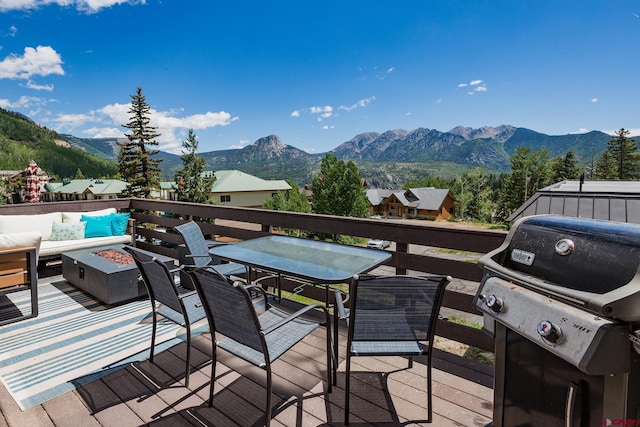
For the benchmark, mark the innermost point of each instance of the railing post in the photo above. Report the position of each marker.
(266, 228)
(401, 248)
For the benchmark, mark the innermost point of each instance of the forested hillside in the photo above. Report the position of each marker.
(22, 140)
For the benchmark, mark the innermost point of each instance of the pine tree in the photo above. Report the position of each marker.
(605, 167)
(136, 165)
(564, 167)
(624, 152)
(193, 186)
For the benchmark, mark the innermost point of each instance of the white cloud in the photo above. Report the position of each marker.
(360, 103)
(463, 85)
(438, 101)
(41, 61)
(327, 127)
(296, 113)
(23, 102)
(96, 132)
(32, 85)
(243, 143)
(323, 112)
(475, 82)
(632, 132)
(87, 6)
(594, 100)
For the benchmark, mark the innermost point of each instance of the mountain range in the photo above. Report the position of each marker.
(388, 158)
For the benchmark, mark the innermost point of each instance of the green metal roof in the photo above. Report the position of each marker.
(233, 181)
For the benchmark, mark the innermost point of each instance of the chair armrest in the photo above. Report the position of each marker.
(342, 312)
(295, 315)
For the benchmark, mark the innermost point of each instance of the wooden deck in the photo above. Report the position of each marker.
(153, 394)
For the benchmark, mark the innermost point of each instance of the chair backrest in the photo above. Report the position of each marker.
(157, 279)
(195, 242)
(395, 308)
(229, 307)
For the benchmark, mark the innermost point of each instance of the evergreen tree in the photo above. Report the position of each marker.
(564, 167)
(605, 167)
(624, 152)
(193, 186)
(338, 189)
(136, 165)
(529, 172)
(79, 174)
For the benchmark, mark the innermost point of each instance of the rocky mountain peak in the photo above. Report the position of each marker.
(271, 143)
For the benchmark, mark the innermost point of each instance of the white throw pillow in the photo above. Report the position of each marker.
(16, 240)
(42, 223)
(75, 216)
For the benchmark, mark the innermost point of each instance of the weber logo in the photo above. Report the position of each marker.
(522, 257)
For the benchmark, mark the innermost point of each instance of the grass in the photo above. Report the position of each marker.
(465, 350)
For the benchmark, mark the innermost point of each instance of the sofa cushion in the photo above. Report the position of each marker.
(67, 231)
(42, 223)
(55, 248)
(119, 223)
(97, 225)
(15, 240)
(76, 216)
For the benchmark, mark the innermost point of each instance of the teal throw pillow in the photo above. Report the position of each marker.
(67, 231)
(119, 223)
(97, 226)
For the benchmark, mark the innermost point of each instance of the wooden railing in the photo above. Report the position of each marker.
(156, 218)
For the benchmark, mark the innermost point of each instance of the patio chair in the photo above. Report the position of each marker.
(198, 250)
(259, 339)
(391, 316)
(177, 304)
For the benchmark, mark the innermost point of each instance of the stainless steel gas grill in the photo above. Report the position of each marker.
(562, 298)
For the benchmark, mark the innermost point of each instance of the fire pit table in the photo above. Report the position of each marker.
(107, 273)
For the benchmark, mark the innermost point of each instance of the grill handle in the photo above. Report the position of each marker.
(572, 391)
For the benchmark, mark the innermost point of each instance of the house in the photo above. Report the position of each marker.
(83, 189)
(424, 203)
(235, 188)
(607, 200)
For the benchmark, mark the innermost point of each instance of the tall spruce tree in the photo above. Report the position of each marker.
(624, 152)
(135, 162)
(193, 186)
(564, 167)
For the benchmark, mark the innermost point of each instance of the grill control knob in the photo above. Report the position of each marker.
(494, 303)
(549, 331)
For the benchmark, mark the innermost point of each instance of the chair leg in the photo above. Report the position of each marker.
(153, 332)
(213, 374)
(335, 347)
(410, 361)
(267, 413)
(188, 367)
(347, 385)
(331, 375)
(429, 397)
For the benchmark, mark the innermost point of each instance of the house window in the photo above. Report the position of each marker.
(225, 198)
(273, 195)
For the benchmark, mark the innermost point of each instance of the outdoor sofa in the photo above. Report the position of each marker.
(57, 232)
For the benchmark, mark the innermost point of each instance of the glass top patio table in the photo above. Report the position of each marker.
(312, 260)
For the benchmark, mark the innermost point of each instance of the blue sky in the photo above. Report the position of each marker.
(318, 73)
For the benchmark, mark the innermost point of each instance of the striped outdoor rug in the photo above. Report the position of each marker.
(75, 339)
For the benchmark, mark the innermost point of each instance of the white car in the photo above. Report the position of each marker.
(378, 244)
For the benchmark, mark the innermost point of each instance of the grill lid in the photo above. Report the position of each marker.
(589, 262)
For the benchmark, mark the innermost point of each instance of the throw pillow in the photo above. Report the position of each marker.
(119, 223)
(75, 216)
(97, 226)
(67, 231)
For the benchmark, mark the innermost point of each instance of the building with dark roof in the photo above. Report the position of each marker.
(425, 202)
(606, 200)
